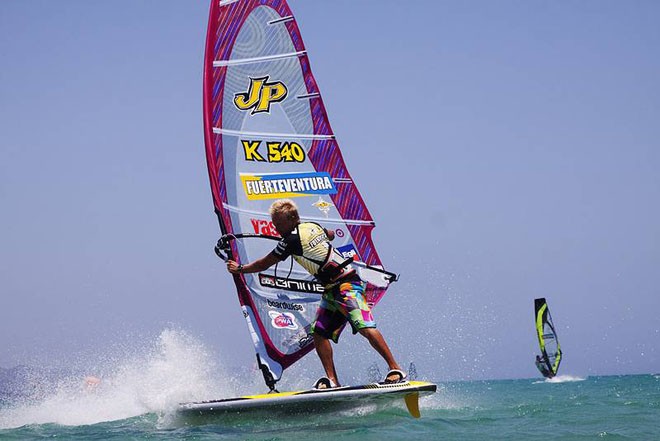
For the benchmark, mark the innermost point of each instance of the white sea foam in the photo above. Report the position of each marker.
(561, 379)
(173, 369)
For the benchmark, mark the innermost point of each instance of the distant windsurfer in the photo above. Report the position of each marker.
(542, 366)
(343, 299)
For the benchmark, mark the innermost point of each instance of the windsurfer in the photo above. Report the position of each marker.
(542, 366)
(343, 298)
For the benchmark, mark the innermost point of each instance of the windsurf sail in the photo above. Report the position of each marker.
(268, 137)
(548, 362)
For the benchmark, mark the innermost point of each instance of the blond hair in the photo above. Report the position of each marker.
(284, 207)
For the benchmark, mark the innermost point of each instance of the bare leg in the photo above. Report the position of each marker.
(378, 342)
(324, 350)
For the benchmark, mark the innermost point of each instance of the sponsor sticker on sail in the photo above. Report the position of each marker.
(286, 185)
(260, 95)
(295, 285)
(282, 320)
(349, 251)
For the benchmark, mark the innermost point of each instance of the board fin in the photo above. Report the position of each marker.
(412, 403)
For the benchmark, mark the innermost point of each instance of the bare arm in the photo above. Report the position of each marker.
(254, 267)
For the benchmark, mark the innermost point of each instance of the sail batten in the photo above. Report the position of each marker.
(310, 136)
(281, 20)
(222, 63)
(329, 220)
(308, 96)
(268, 137)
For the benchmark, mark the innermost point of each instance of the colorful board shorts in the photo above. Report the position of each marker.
(343, 303)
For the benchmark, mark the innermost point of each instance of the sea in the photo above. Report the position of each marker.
(138, 399)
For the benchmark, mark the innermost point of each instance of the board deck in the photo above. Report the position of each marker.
(313, 400)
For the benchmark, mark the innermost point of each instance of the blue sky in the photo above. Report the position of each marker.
(507, 150)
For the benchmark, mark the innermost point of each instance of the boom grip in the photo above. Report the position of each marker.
(222, 248)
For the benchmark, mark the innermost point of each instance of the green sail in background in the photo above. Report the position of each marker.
(548, 362)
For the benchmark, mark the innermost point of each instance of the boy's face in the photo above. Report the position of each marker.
(284, 224)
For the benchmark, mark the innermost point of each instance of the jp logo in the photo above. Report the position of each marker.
(260, 95)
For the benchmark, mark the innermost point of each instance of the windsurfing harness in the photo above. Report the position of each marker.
(310, 246)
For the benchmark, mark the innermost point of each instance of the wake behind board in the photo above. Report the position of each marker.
(311, 401)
